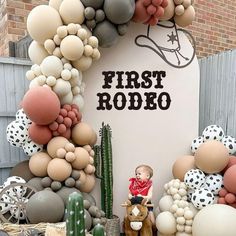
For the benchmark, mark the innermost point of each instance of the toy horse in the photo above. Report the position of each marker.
(137, 221)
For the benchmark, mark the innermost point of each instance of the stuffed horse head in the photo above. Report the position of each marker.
(136, 214)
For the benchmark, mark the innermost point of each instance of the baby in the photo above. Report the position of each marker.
(141, 187)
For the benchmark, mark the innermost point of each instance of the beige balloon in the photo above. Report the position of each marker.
(72, 47)
(38, 164)
(54, 144)
(59, 169)
(38, 23)
(182, 165)
(187, 18)
(37, 52)
(62, 87)
(88, 186)
(166, 223)
(215, 220)
(72, 11)
(169, 11)
(82, 158)
(212, 157)
(82, 133)
(67, 99)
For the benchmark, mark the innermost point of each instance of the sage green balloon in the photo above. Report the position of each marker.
(96, 4)
(106, 33)
(119, 12)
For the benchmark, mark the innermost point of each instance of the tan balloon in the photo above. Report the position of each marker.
(38, 23)
(37, 52)
(72, 11)
(54, 144)
(38, 164)
(89, 184)
(212, 157)
(82, 158)
(59, 169)
(215, 220)
(182, 165)
(72, 47)
(82, 134)
(82, 177)
(187, 18)
(169, 11)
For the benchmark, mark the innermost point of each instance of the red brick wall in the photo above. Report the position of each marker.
(214, 28)
(13, 15)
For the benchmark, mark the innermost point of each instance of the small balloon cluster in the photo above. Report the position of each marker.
(176, 213)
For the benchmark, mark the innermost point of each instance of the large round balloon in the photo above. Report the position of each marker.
(230, 179)
(45, 206)
(182, 165)
(40, 134)
(212, 157)
(41, 105)
(42, 23)
(215, 220)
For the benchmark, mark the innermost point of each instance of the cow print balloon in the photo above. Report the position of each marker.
(202, 198)
(16, 191)
(214, 183)
(30, 147)
(21, 116)
(196, 143)
(19, 213)
(17, 133)
(230, 144)
(194, 178)
(213, 132)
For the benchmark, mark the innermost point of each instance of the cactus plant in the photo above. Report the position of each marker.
(98, 230)
(103, 164)
(75, 224)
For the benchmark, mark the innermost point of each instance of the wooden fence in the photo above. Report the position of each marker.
(12, 89)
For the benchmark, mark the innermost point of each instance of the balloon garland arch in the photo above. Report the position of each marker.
(66, 37)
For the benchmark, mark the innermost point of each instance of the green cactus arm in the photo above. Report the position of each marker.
(97, 161)
(98, 230)
(75, 223)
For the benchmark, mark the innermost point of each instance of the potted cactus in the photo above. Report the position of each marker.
(103, 164)
(75, 224)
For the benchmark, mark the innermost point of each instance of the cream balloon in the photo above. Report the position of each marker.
(166, 223)
(72, 11)
(83, 63)
(186, 18)
(165, 203)
(38, 23)
(52, 65)
(215, 220)
(169, 11)
(37, 52)
(62, 87)
(55, 4)
(72, 47)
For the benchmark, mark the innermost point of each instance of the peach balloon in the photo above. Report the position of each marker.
(59, 169)
(212, 157)
(82, 134)
(186, 18)
(38, 164)
(89, 184)
(54, 144)
(232, 161)
(230, 179)
(41, 105)
(169, 11)
(182, 165)
(82, 158)
(230, 198)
